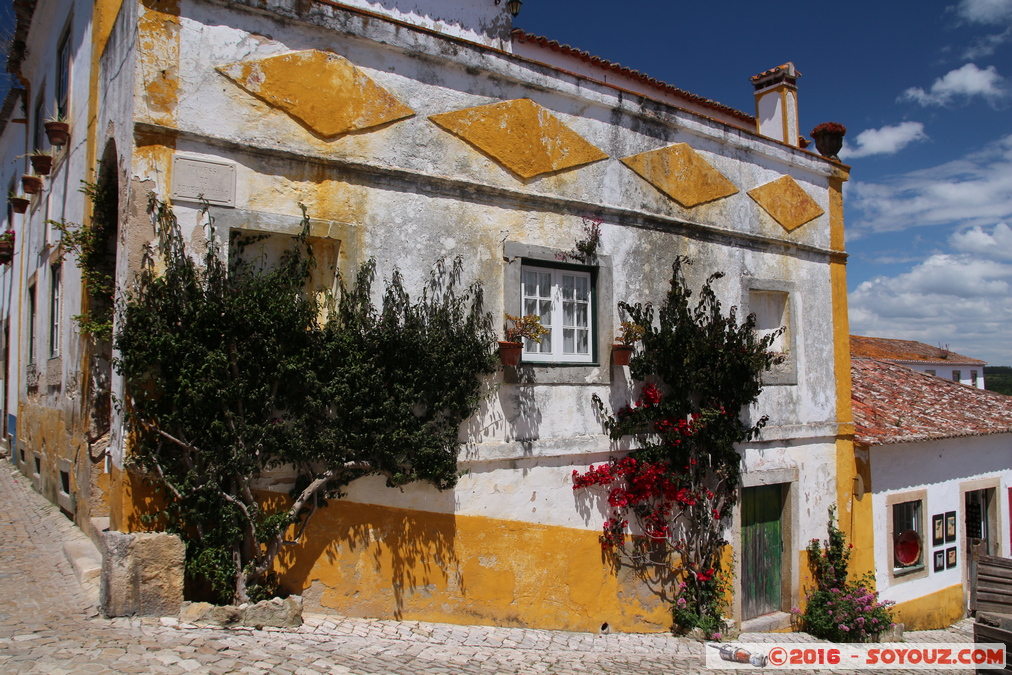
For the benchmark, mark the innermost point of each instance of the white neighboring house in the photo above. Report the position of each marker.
(923, 358)
(937, 470)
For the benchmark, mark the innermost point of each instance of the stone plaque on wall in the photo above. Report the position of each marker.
(195, 178)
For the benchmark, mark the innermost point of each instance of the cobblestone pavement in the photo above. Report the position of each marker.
(49, 625)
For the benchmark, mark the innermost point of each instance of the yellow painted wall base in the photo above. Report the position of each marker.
(131, 496)
(371, 561)
(940, 609)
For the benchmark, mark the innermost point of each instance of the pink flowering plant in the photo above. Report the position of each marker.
(671, 499)
(841, 609)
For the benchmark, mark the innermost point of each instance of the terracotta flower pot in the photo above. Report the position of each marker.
(20, 204)
(828, 144)
(6, 252)
(621, 354)
(42, 164)
(58, 132)
(31, 184)
(510, 352)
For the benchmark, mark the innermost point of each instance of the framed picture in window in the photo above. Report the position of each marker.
(950, 558)
(950, 527)
(938, 529)
(939, 560)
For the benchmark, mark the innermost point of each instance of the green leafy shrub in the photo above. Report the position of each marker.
(229, 374)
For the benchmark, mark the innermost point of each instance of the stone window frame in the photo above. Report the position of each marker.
(598, 371)
(909, 573)
(786, 374)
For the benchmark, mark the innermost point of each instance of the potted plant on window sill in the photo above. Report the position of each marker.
(18, 203)
(517, 329)
(6, 247)
(42, 162)
(57, 130)
(31, 183)
(621, 351)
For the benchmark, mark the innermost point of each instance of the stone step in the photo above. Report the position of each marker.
(86, 561)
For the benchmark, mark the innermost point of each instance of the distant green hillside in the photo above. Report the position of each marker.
(999, 379)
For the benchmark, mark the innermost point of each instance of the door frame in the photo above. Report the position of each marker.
(790, 580)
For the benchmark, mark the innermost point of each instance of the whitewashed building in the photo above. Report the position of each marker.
(937, 361)
(414, 130)
(935, 465)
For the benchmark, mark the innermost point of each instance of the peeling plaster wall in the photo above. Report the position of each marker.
(47, 399)
(407, 192)
(512, 544)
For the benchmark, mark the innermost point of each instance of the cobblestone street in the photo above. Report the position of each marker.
(49, 624)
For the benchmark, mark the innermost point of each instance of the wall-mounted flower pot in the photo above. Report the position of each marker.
(510, 352)
(6, 252)
(58, 132)
(20, 204)
(31, 184)
(621, 354)
(42, 164)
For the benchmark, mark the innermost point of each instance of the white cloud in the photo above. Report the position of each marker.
(957, 299)
(885, 141)
(996, 245)
(987, 45)
(961, 84)
(985, 11)
(975, 190)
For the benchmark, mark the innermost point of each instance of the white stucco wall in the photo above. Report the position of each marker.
(942, 469)
(528, 439)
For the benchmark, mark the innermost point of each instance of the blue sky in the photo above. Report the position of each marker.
(925, 91)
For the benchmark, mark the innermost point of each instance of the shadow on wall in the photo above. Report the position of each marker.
(368, 560)
(519, 404)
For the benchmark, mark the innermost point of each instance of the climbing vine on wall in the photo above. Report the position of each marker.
(671, 497)
(229, 373)
(94, 246)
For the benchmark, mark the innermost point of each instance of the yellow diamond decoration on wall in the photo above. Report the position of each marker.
(522, 136)
(787, 202)
(324, 92)
(679, 172)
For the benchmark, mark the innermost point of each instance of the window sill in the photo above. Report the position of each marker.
(909, 573)
(557, 373)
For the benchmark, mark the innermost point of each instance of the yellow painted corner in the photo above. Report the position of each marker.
(522, 136)
(936, 610)
(786, 202)
(836, 231)
(158, 28)
(682, 174)
(324, 92)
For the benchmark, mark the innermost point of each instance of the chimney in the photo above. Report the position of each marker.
(776, 103)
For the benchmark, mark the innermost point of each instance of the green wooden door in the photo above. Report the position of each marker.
(762, 550)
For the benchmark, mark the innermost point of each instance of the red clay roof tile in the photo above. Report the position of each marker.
(906, 351)
(894, 404)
